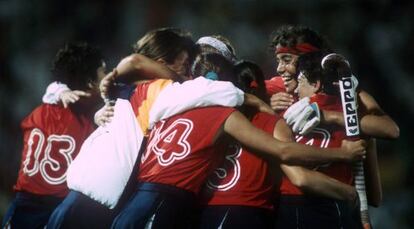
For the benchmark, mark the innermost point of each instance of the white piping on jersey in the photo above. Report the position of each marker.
(326, 136)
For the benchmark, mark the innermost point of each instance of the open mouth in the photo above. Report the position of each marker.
(287, 80)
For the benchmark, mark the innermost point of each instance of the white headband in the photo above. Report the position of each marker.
(217, 44)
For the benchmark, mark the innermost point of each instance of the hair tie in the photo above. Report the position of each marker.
(211, 76)
(254, 84)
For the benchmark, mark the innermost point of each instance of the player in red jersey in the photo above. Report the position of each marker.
(295, 209)
(52, 137)
(181, 153)
(151, 53)
(241, 192)
(154, 58)
(144, 67)
(289, 43)
(161, 53)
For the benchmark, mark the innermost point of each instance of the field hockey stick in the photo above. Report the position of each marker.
(349, 106)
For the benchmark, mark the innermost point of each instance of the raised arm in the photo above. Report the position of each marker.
(134, 69)
(242, 130)
(137, 67)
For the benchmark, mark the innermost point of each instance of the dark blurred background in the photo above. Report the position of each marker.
(376, 35)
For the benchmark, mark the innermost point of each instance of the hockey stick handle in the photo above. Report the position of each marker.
(342, 69)
(349, 106)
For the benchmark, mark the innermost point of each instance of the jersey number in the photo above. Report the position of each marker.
(170, 144)
(51, 169)
(226, 176)
(320, 138)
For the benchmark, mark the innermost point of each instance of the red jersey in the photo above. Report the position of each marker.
(324, 136)
(275, 85)
(52, 137)
(243, 178)
(181, 150)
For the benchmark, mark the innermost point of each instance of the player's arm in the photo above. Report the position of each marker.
(174, 99)
(374, 123)
(239, 127)
(254, 101)
(313, 182)
(134, 69)
(372, 176)
(310, 181)
(138, 67)
(58, 92)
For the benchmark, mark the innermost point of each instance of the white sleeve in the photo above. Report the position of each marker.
(107, 157)
(200, 92)
(53, 91)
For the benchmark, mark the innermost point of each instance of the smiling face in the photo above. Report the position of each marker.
(286, 68)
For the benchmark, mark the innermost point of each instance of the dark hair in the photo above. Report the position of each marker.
(290, 36)
(212, 62)
(166, 44)
(309, 65)
(75, 65)
(250, 79)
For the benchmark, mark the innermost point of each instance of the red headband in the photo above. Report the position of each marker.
(298, 49)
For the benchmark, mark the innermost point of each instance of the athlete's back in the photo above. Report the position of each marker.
(181, 150)
(53, 136)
